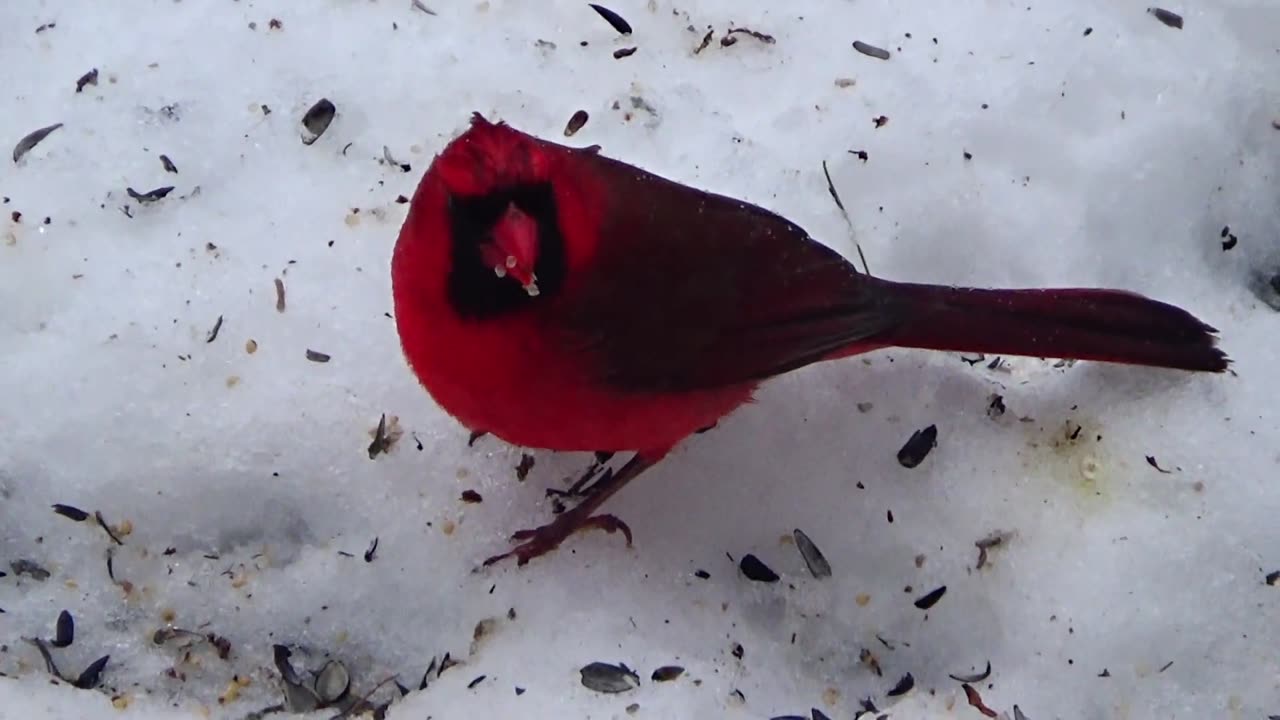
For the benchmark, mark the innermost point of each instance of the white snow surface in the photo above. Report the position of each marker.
(1106, 149)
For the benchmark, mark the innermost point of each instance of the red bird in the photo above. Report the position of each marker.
(562, 300)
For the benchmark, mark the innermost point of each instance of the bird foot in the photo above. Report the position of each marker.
(540, 541)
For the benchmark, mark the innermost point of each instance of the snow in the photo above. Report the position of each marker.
(1112, 158)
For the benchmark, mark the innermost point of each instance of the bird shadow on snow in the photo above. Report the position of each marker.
(817, 451)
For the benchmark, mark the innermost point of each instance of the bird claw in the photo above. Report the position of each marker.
(542, 540)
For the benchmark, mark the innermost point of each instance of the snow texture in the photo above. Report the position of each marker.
(1026, 144)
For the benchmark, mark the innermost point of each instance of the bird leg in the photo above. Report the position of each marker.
(543, 540)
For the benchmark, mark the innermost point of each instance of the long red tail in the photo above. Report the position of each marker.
(1083, 324)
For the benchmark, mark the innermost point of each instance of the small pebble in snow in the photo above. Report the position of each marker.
(471, 496)
(1172, 19)
(870, 50)
(931, 598)
(318, 357)
(880, 120)
(280, 304)
(918, 447)
(702, 574)
(614, 19)
(813, 557)
(1273, 578)
(168, 164)
(752, 567)
(607, 678)
(624, 52)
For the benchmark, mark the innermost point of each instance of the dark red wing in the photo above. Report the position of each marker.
(691, 290)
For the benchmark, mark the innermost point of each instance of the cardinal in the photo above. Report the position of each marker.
(563, 300)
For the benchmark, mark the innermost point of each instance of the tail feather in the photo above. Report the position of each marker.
(1075, 323)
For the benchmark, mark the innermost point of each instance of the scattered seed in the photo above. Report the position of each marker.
(46, 26)
(102, 523)
(149, 196)
(32, 139)
(931, 598)
(92, 675)
(868, 658)
(738, 651)
(702, 574)
(754, 569)
(280, 306)
(996, 407)
(1088, 31)
(666, 673)
(975, 700)
(373, 548)
(918, 447)
(1273, 578)
(89, 78)
(317, 356)
(1151, 460)
(525, 465)
(904, 686)
(49, 665)
(614, 19)
(471, 685)
(880, 121)
(64, 632)
(69, 511)
(813, 557)
(168, 164)
(762, 37)
(706, 40)
(317, 119)
(417, 5)
(1166, 666)
(1172, 19)
(624, 52)
(381, 442)
(861, 155)
(332, 682)
(979, 677)
(575, 123)
(213, 334)
(1230, 242)
(606, 678)
(870, 50)
(30, 568)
